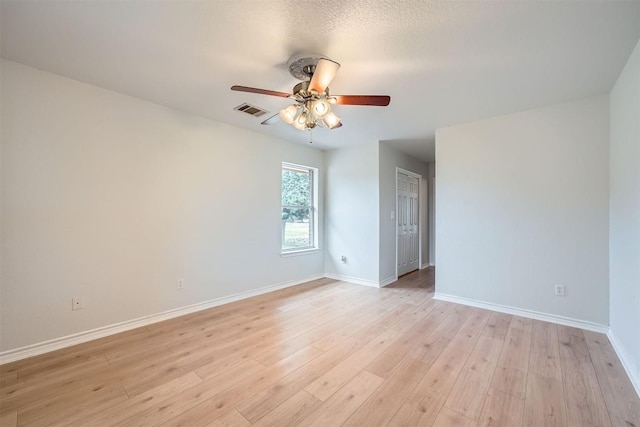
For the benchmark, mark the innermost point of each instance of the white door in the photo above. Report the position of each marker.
(407, 223)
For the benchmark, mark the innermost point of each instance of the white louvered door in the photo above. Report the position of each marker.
(408, 218)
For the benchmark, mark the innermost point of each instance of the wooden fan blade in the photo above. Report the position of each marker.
(270, 120)
(260, 91)
(325, 71)
(375, 100)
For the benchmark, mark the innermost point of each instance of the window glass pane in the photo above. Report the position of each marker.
(296, 187)
(298, 209)
(296, 228)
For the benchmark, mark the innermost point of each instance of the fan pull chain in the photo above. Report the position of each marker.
(310, 136)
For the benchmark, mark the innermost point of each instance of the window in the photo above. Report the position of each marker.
(299, 210)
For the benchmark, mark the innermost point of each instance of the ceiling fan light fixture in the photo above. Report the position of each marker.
(301, 122)
(331, 120)
(288, 114)
(321, 108)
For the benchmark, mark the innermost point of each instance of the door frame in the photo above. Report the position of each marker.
(419, 178)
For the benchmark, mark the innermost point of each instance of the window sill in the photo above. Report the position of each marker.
(300, 252)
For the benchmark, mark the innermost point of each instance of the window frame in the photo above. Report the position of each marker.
(313, 210)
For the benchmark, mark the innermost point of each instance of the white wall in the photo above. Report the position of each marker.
(522, 205)
(390, 158)
(351, 213)
(624, 215)
(113, 199)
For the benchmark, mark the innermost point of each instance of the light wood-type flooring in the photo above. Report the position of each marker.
(329, 353)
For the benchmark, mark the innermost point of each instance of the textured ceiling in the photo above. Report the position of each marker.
(443, 63)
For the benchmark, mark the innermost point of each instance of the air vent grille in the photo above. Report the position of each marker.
(251, 110)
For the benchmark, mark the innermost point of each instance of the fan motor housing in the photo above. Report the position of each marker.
(302, 90)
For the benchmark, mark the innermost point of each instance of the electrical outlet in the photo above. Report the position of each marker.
(559, 290)
(180, 283)
(77, 303)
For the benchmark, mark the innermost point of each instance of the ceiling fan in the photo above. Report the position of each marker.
(313, 102)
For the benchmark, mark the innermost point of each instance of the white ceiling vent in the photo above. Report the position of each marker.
(250, 109)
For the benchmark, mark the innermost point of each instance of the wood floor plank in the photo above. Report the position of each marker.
(470, 390)
(501, 410)
(291, 412)
(404, 322)
(8, 378)
(585, 403)
(442, 375)
(213, 368)
(418, 335)
(92, 349)
(138, 351)
(408, 319)
(490, 347)
(33, 389)
(511, 381)
(618, 392)
(545, 405)
(375, 319)
(449, 418)
(184, 401)
(279, 352)
(383, 404)
(421, 414)
(406, 314)
(497, 326)
(64, 365)
(523, 323)
(545, 354)
(203, 408)
(154, 374)
(572, 344)
(28, 392)
(10, 419)
(428, 350)
(230, 419)
(257, 406)
(516, 349)
(426, 400)
(141, 402)
(85, 379)
(344, 402)
(11, 368)
(450, 326)
(597, 342)
(469, 333)
(330, 382)
(56, 410)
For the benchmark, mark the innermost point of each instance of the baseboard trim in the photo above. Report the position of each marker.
(388, 281)
(82, 337)
(625, 359)
(354, 280)
(531, 314)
